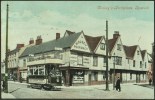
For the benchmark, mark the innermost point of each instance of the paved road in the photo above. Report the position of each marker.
(129, 91)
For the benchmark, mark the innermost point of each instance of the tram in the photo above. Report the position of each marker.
(46, 76)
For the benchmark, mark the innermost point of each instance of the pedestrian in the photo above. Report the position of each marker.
(118, 87)
(3, 85)
(150, 81)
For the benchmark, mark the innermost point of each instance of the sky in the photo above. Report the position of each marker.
(28, 19)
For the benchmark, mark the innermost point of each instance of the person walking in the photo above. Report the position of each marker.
(118, 87)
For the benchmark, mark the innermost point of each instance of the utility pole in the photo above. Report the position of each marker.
(6, 56)
(107, 86)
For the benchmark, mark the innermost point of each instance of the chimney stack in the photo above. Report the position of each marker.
(31, 41)
(57, 36)
(38, 40)
(116, 34)
(20, 46)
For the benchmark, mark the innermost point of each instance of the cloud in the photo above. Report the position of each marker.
(26, 25)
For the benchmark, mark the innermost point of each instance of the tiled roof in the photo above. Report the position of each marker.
(13, 51)
(70, 32)
(143, 53)
(92, 41)
(111, 43)
(130, 51)
(50, 45)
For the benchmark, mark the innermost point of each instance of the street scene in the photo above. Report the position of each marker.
(129, 91)
(77, 50)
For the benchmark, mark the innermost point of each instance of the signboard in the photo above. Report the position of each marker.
(81, 44)
(78, 77)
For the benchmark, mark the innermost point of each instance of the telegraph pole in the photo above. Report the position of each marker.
(107, 86)
(6, 56)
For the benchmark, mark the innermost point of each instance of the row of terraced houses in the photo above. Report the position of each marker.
(81, 59)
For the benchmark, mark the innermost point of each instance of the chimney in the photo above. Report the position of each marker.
(57, 36)
(20, 46)
(38, 40)
(116, 34)
(31, 41)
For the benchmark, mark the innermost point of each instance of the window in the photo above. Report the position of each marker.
(41, 71)
(118, 61)
(137, 52)
(104, 75)
(140, 64)
(128, 61)
(36, 71)
(119, 47)
(102, 46)
(80, 60)
(104, 61)
(24, 63)
(134, 63)
(95, 76)
(145, 64)
(95, 61)
(31, 71)
(130, 76)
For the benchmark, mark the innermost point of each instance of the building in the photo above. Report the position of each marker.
(2, 69)
(81, 59)
(13, 60)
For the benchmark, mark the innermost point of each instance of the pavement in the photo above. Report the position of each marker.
(126, 86)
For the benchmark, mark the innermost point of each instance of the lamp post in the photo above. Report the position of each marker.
(6, 57)
(107, 85)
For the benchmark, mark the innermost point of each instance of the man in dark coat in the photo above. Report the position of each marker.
(118, 87)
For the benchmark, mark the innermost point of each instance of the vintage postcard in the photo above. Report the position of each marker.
(77, 49)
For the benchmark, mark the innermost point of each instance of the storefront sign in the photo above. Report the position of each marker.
(78, 77)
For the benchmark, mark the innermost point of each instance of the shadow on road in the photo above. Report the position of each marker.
(14, 90)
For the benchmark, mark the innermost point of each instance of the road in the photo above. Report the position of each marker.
(129, 91)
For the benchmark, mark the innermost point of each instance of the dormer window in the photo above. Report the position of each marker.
(119, 47)
(102, 46)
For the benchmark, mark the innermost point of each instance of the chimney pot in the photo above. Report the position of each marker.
(116, 34)
(57, 36)
(31, 41)
(20, 46)
(38, 40)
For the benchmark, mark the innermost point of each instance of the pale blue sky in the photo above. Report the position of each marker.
(30, 19)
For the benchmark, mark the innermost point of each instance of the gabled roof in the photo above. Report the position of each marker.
(92, 41)
(50, 45)
(143, 52)
(130, 51)
(69, 32)
(111, 43)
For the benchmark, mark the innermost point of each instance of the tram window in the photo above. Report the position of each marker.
(31, 71)
(41, 71)
(36, 72)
